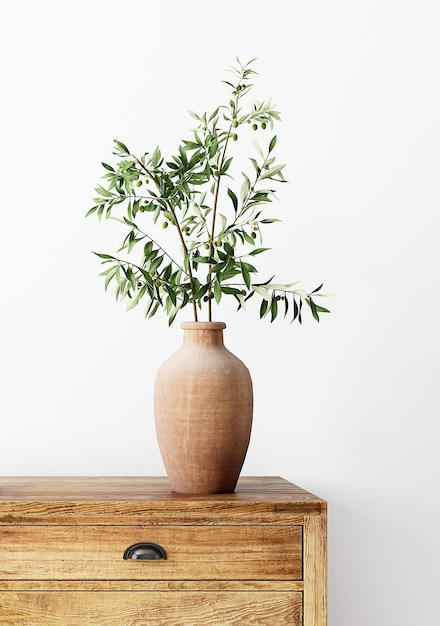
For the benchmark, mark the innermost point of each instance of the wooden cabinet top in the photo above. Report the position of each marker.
(45, 498)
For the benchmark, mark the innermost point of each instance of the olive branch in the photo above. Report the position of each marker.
(219, 227)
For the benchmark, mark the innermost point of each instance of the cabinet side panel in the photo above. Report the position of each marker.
(315, 570)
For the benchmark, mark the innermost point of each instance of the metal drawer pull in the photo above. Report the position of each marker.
(145, 551)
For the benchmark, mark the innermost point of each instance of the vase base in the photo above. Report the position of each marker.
(203, 490)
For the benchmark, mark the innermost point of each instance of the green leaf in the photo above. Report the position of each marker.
(156, 156)
(229, 249)
(256, 166)
(172, 294)
(264, 308)
(156, 263)
(204, 259)
(166, 274)
(172, 315)
(135, 301)
(194, 115)
(190, 145)
(213, 115)
(92, 210)
(103, 192)
(217, 292)
(250, 268)
(272, 143)
(273, 171)
(257, 251)
(273, 309)
(295, 309)
(284, 286)
(107, 167)
(262, 292)
(257, 148)
(321, 309)
(203, 289)
(234, 199)
(110, 276)
(245, 188)
(122, 146)
(300, 292)
(248, 238)
(152, 311)
(105, 256)
(246, 275)
(313, 309)
(130, 276)
(231, 290)
(226, 166)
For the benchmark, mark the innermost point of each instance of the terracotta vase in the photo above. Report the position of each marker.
(203, 404)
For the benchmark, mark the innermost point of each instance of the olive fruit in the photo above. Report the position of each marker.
(254, 127)
(263, 125)
(165, 225)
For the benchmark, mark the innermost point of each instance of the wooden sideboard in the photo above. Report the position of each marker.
(127, 551)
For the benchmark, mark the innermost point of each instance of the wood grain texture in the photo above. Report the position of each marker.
(152, 608)
(315, 571)
(151, 585)
(194, 552)
(140, 500)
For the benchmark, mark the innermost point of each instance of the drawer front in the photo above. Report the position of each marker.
(193, 553)
(81, 608)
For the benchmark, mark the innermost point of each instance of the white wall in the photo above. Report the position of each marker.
(348, 408)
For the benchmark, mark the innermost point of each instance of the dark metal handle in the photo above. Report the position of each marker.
(145, 551)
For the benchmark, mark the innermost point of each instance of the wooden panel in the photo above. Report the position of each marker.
(129, 488)
(315, 571)
(194, 552)
(151, 585)
(152, 608)
(106, 500)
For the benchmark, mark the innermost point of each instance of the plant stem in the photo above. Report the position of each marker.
(214, 215)
(185, 249)
(182, 240)
(234, 110)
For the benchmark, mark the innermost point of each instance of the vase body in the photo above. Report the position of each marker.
(203, 404)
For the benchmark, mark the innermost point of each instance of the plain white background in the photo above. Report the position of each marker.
(348, 408)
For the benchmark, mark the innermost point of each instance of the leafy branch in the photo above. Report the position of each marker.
(216, 225)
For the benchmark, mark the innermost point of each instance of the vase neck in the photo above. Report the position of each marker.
(203, 333)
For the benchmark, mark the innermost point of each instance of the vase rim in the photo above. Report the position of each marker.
(202, 325)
